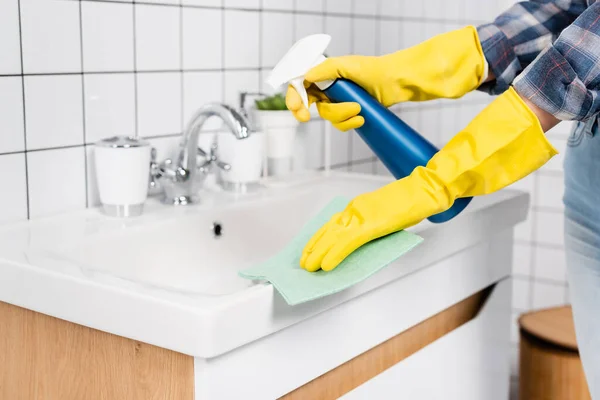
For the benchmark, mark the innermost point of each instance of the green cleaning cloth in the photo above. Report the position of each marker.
(297, 285)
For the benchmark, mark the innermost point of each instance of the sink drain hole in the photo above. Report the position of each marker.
(217, 229)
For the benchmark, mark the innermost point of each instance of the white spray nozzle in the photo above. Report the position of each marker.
(300, 58)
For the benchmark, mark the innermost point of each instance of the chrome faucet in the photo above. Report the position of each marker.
(181, 176)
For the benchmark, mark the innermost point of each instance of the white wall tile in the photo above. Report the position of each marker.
(391, 8)
(363, 168)
(12, 135)
(252, 4)
(49, 195)
(50, 35)
(340, 29)
(13, 207)
(389, 36)
(526, 184)
(550, 264)
(159, 103)
(200, 88)
(432, 29)
(241, 39)
(202, 38)
(157, 38)
(380, 169)
(10, 47)
(547, 295)
(430, 125)
(109, 105)
(453, 9)
(239, 81)
(549, 228)
(412, 33)
(448, 124)
(210, 3)
(309, 5)
(365, 36)
(93, 197)
(514, 327)
(434, 8)
(277, 37)
(413, 118)
(521, 294)
(340, 146)
(412, 8)
(54, 111)
(360, 150)
(308, 24)
(107, 36)
(162, 1)
(365, 7)
(550, 189)
(339, 6)
(522, 259)
(524, 230)
(278, 4)
(165, 146)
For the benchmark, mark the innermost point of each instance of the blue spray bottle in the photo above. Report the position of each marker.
(398, 146)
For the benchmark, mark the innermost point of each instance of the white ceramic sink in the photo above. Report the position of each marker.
(164, 279)
(182, 253)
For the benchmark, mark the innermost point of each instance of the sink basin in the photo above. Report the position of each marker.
(184, 255)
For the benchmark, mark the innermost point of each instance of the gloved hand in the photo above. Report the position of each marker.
(448, 65)
(503, 144)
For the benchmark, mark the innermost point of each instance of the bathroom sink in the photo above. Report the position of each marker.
(167, 278)
(200, 252)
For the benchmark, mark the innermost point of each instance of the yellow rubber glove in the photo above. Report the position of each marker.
(446, 66)
(503, 144)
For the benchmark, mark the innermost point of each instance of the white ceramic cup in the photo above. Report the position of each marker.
(122, 173)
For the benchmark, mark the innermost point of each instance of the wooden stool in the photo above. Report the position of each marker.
(550, 368)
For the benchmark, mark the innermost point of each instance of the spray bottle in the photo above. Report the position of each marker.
(399, 147)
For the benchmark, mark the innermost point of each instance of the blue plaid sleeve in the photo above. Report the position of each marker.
(518, 35)
(564, 79)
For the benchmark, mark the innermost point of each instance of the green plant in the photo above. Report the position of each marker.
(271, 103)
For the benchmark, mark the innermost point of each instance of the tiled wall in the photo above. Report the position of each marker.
(72, 72)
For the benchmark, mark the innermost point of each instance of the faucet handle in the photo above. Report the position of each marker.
(212, 158)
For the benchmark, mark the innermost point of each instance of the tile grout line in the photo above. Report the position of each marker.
(27, 197)
(136, 125)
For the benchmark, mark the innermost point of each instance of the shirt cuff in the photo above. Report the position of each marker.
(502, 60)
(551, 83)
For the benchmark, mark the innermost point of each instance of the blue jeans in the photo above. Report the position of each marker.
(582, 243)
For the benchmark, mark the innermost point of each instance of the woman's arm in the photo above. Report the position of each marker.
(564, 80)
(519, 34)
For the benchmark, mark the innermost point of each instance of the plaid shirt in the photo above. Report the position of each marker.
(550, 51)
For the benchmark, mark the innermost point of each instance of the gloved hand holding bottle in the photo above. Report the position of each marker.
(447, 66)
(503, 144)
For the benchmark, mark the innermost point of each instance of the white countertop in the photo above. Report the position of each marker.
(34, 275)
